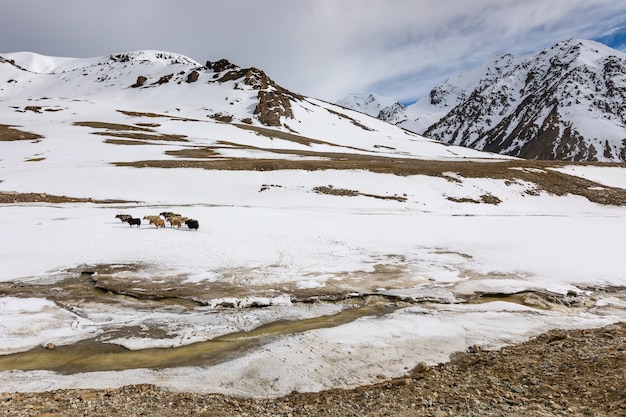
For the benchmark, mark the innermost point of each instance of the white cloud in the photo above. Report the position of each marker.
(322, 48)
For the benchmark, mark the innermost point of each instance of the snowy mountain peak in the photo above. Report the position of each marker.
(566, 102)
(43, 64)
(395, 113)
(371, 103)
(583, 50)
(167, 58)
(251, 94)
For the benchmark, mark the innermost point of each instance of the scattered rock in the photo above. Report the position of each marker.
(141, 80)
(192, 77)
(420, 368)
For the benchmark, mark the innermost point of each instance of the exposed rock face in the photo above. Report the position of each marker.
(192, 77)
(272, 106)
(394, 114)
(8, 61)
(141, 80)
(219, 66)
(274, 101)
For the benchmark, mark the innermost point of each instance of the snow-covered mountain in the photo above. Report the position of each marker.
(134, 87)
(416, 117)
(567, 103)
(172, 77)
(371, 104)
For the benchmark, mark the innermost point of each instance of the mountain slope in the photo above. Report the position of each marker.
(565, 103)
(77, 118)
(144, 70)
(220, 104)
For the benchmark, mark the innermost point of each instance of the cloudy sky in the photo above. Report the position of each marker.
(320, 48)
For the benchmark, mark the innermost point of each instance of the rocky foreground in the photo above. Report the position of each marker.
(560, 373)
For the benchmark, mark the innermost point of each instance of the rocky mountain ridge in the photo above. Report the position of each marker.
(150, 69)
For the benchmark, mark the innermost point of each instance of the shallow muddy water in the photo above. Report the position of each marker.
(92, 355)
(96, 354)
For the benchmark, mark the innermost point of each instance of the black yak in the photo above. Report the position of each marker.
(192, 224)
(134, 221)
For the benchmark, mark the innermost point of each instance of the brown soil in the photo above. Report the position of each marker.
(199, 152)
(485, 198)
(10, 133)
(126, 142)
(128, 133)
(157, 115)
(561, 373)
(10, 198)
(277, 134)
(113, 126)
(144, 136)
(329, 189)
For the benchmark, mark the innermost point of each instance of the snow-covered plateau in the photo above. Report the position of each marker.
(333, 250)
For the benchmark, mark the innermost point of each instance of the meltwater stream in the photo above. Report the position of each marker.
(92, 355)
(96, 354)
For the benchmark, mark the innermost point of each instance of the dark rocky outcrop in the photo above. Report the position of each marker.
(192, 77)
(141, 80)
(274, 101)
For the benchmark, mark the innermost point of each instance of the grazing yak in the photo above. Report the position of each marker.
(158, 222)
(134, 221)
(175, 221)
(192, 224)
(124, 217)
(167, 214)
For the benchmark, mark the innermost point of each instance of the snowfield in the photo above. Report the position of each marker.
(287, 239)
(275, 245)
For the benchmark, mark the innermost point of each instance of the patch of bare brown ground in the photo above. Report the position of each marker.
(10, 133)
(128, 133)
(560, 373)
(12, 198)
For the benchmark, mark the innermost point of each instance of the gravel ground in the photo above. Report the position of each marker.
(560, 373)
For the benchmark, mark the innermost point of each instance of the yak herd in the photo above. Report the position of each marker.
(173, 219)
